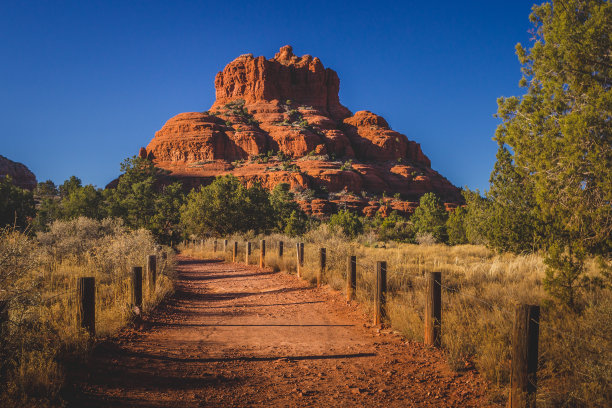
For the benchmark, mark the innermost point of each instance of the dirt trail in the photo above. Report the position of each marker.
(235, 336)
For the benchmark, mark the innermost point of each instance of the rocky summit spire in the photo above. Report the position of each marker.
(302, 80)
(280, 120)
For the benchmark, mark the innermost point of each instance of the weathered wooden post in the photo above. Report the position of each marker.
(137, 286)
(351, 278)
(297, 258)
(300, 256)
(4, 317)
(215, 245)
(86, 304)
(152, 272)
(262, 254)
(524, 365)
(247, 253)
(322, 264)
(381, 292)
(235, 254)
(280, 249)
(225, 245)
(433, 309)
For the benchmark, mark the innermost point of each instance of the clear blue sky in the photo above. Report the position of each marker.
(85, 84)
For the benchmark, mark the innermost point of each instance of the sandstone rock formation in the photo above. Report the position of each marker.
(280, 120)
(19, 173)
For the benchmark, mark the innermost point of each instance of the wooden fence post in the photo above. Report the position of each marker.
(137, 286)
(299, 250)
(322, 264)
(301, 256)
(86, 304)
(524, 365)
(225, 245)
(381, 292)
(215, 245)
(247, 252)
(235, 255)
(280, 249)
(351, 278)
(4, 317)
(433, 309)
(262, 254)
(152, 272)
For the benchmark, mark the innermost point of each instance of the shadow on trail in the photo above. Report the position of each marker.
(198, 261)
(150, 356)
(182, 294)
(264, 305)
(197, 276)
(161, 324)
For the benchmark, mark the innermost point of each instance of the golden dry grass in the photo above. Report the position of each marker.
(38, 277)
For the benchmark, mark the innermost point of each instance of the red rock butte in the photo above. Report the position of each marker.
(20, 175)
(280, 120)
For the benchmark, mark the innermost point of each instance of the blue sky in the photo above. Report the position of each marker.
(85, 84)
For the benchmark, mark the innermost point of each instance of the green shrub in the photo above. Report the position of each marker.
(430, 217)
(347, 222)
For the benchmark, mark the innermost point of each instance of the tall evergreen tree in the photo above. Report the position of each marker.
(560, 133)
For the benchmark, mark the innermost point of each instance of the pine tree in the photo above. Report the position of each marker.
(560, 134)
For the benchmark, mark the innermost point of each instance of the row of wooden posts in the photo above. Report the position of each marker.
(86, 293)
(525, 331)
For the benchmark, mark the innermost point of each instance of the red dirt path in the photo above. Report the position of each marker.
(240, 336)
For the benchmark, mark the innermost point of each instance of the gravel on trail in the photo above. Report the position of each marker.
(239, 336)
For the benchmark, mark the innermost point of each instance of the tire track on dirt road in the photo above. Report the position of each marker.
(233, 335)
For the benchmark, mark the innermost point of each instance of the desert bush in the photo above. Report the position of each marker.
(38, 278)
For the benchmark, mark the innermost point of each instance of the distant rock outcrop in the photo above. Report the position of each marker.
(19, 173)
(280, 120)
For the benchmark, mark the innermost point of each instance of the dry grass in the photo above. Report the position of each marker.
(38, 277)
(481, 289)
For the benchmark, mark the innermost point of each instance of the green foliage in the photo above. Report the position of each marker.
(477, 216)
(16, 204)
(513, 224)
(225, 207)
(430, 217)
(84, 201)
(165, 223)
(70, 185)
(46, 189)
(141, 202)
(133, 200)
(348, 222)
(560, 136)
(289, 217)
(296, 224)
(564, 274)
(395, 228)
(455, 226)
(347, 166)
(236, 108)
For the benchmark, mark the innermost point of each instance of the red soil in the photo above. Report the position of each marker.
(235, 335)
